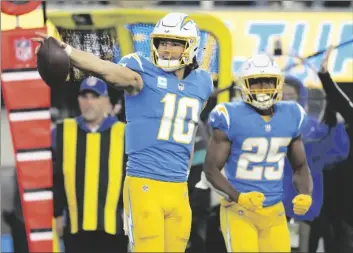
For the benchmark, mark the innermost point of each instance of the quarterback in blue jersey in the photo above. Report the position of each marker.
(250, 140)
(161, 125)
(164, 98)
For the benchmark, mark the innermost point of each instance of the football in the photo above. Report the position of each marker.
(52, 62)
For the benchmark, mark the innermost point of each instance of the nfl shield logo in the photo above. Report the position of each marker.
(23, 49)
(268, 128)
(181, 86)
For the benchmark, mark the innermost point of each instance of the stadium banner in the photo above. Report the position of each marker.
(301, 33)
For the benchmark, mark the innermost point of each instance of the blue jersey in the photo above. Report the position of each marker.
(258, 148)
(162, 120)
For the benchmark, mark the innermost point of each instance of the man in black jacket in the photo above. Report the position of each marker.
(341, 197)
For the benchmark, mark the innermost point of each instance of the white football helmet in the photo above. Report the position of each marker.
(261, 66)
(175, 26)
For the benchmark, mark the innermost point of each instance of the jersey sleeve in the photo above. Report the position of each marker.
(219, 119)
(133, 62)
(302, 120)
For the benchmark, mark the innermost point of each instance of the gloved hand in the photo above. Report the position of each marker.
(301, 204)
(251, 200)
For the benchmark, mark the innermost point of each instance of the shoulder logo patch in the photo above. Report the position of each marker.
(221, 109)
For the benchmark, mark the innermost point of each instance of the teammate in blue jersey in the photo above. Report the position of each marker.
(164, 98)
(250, 140)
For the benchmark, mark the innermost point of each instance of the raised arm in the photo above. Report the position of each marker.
(217, 154)
(110, 72)
(339, 100)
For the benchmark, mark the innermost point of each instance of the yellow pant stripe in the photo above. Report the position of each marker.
(130, 223)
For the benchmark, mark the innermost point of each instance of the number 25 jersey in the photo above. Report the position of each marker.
(162, 120)
(258, 148)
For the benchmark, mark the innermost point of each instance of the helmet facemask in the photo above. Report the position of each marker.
(262, 98)
(169, 64)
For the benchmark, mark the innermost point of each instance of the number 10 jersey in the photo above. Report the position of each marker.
(259, 147)
(162, 120)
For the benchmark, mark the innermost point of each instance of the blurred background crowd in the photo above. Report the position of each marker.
(290, 31)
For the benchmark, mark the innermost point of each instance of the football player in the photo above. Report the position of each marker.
(250, 139)
(164, 97)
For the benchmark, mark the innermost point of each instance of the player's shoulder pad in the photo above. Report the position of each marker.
(134, 61)
(219, 117)
(207, 80)
(302, 116)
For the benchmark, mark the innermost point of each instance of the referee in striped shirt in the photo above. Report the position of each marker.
(88, 175)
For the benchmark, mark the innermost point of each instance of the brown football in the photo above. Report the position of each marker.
(52, 62)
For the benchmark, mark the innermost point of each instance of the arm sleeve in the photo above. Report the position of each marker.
(340, 101)
(219, 119)
(58, 176)
(133, 62)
